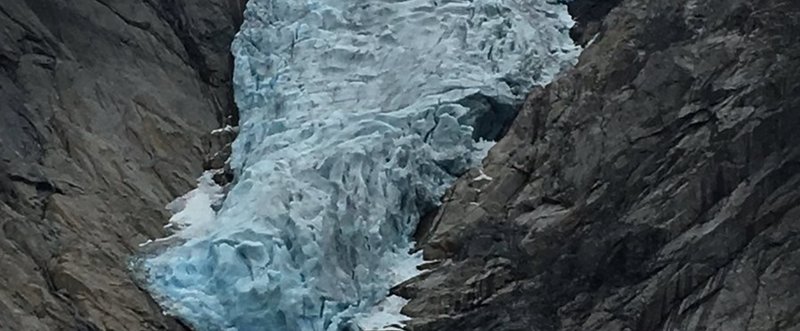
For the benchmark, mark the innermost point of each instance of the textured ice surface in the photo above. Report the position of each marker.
(355, 117)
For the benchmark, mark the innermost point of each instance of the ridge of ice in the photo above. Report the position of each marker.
(353, 123)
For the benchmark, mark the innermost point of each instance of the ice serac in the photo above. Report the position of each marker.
(355, 117)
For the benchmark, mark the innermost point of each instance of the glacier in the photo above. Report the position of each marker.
(355, 116)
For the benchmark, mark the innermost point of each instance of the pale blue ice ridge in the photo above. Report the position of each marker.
(355, 117)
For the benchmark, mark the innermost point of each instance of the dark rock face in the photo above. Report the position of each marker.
(656, 186)
(105, 112)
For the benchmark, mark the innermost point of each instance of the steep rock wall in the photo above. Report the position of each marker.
(653, 187)
(105, 109)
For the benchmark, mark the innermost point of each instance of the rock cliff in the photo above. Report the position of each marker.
(105, 110)
(652, 187)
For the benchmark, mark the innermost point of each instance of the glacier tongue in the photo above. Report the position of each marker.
(353, 123)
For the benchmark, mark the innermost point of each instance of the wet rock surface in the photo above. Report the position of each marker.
(106, 109)
(652, 187)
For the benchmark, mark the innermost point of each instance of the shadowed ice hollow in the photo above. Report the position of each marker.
(355, 117)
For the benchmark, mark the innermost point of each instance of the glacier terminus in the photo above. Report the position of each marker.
(355, 117)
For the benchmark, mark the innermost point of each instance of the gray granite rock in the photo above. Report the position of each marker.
(105, 112)
(652, 187)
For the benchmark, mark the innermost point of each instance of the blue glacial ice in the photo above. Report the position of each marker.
(355, 117)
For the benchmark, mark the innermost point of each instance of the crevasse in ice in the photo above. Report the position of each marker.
(355, 117)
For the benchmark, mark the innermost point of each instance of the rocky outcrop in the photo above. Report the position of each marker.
(106, 110)
(652, 187)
